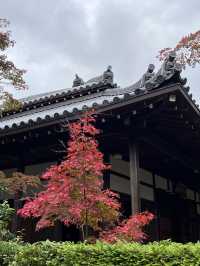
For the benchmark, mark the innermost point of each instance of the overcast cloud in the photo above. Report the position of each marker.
(56, 39)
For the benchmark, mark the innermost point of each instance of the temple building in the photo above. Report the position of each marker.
(150, 134)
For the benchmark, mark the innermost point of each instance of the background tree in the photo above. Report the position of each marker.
(9, 73)
(6, 214)
(187, 50)
(16, 186)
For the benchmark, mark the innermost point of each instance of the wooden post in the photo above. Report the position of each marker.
(134, 176)
(106, 175)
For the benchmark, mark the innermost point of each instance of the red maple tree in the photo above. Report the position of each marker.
(187, 50)
(74, 192)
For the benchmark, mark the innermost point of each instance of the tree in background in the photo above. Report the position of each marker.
(6, 214)
(16, 186)
(187, 50)
(9, 73)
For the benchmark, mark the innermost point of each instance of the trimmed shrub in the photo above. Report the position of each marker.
(69, 254)
(8, 251)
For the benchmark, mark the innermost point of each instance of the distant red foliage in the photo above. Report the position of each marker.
(187, 49)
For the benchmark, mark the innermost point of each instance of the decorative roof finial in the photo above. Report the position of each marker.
(168, 69)
(108, 75)
(147, 76)
(77, 81)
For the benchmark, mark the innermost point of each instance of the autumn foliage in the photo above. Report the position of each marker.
(131, 229)
(187, 50)
(19, 183)
(74, 194)
(9, 73)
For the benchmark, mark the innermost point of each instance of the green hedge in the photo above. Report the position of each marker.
(8, 250)
(61, 254)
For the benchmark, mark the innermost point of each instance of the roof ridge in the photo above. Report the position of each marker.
(41, 95)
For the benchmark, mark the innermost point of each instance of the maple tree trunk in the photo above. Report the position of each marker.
(82, 233)
(86, 225)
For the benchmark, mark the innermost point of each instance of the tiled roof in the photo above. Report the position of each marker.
(70, 106)
(97, 92)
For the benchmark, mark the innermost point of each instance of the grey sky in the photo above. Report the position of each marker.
(56, 39)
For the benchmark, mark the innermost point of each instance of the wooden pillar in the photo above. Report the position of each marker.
(106, 175)
(134, 176)
(157, 211)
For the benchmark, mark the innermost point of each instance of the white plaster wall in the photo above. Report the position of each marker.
(161, 182)
(146, 193)
(120, 166)
(198, 209)
(190, 194)
(120, 184)
(146, 176)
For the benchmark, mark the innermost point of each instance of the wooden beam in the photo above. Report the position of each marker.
(170, 150)
(134, 176)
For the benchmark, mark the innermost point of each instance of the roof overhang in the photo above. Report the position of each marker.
(117, 105)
